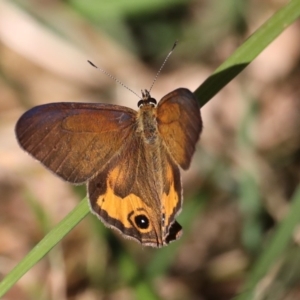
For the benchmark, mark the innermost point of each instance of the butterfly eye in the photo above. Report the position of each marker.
(141, 221)
(152, 101)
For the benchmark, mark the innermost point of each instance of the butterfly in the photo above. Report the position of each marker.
(128, 159)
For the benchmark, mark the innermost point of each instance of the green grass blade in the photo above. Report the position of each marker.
(248, 51)
(274, 249)
(45, 245)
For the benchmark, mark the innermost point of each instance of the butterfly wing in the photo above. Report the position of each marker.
(179, 124)
(75, 140)
(136, 198)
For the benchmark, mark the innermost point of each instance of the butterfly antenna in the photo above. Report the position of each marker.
(157, 74)
(114, 78)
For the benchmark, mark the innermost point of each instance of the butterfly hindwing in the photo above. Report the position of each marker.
(134, 197)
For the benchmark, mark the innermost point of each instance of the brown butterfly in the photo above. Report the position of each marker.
(129, 160)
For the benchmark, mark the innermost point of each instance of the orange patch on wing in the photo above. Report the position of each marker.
(123, 209)
(116, 175)
(170, 199)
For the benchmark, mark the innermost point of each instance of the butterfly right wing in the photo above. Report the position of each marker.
(75, 140)
(179, 124)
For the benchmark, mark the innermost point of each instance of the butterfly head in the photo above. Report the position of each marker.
(147, 99)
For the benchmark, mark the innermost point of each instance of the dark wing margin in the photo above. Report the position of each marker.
(180, 124)
(75, 140)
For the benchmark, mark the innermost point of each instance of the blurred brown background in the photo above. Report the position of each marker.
(243, 174)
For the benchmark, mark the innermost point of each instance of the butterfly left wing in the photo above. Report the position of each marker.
(75, 140)
(179, 124)
(131, 196)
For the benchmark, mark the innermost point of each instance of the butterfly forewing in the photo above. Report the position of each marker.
(179, 124)
(75, 140)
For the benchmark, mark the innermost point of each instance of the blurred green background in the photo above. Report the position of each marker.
(243, 174)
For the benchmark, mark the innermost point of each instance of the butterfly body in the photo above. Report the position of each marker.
(129, 160)
(147, 124)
